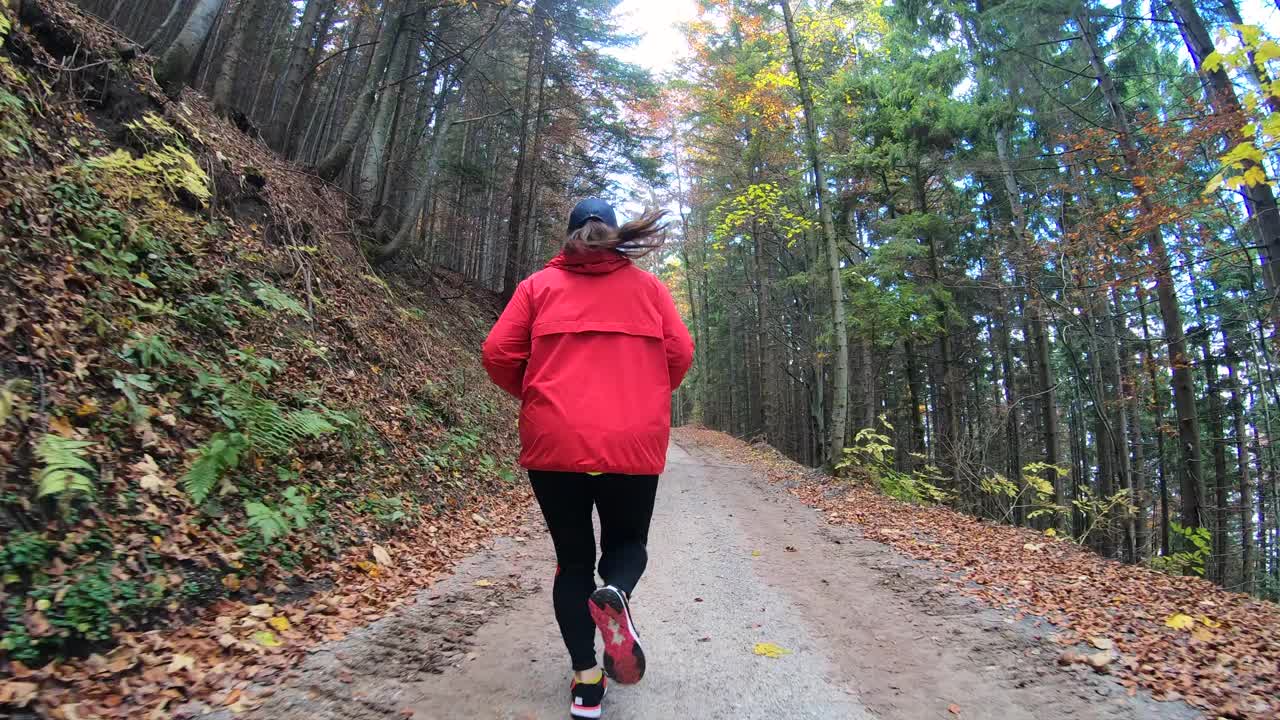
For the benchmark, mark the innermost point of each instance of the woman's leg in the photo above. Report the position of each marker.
(625, 504)
(566, 500)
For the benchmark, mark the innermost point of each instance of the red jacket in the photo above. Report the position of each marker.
(593, 347)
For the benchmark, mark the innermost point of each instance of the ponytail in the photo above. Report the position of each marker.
(634, 239)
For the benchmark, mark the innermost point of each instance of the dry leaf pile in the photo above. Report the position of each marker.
(1178, 637)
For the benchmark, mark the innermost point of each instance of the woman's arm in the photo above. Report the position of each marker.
(506, 351)
(675, 336)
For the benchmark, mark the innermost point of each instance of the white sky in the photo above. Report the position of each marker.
(662, 43)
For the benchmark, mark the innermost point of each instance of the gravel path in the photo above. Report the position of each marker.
(734, 562)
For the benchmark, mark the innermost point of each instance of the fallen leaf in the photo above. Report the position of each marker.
(279, 623)
(484, 583)
(1178, 621)
(181, 662)
(756, 553)
(1101, 643)
(263, 610)
(954, 709)
(15, 692)
(1100, 660)
(770, 650)
(381, 556)
(266, 638)
(1033, 546)
(62, 426)
(148, 473)
(231, 582)
(370, 569)
(1202, 634)
(1209, 622)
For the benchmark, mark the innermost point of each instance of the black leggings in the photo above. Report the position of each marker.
(625, 504)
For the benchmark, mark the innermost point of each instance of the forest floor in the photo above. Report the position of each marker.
(859, 629)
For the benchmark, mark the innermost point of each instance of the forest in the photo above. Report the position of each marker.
(1017, 257)
(991, 287)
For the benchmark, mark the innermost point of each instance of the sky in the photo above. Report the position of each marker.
(662, 43)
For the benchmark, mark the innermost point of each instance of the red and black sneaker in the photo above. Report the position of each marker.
(587, 697)
(623, 657)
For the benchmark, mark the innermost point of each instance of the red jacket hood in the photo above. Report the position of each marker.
(592, 262)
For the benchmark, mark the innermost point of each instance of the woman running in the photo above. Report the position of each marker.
(593, 347)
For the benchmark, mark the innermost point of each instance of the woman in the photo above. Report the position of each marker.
(593, 347)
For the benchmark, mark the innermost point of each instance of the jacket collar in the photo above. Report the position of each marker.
(591, 262)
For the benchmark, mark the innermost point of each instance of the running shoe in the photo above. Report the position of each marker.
(587, 697)
(623, 657)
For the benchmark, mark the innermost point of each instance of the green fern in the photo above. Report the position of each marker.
(259, 425)
(268, 521)
(271, 429)
(220, 454)
(276, 299)
(65, 468)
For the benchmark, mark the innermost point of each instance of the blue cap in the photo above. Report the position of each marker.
(592, 209)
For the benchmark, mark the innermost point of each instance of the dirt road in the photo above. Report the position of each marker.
(734, 562)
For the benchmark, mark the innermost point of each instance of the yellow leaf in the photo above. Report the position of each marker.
(88, 407)
(231, 582)
(1209, 622)
(266, 638)
(770, 650)
(1266, 51)
(756, 553)
(1178, 621)
(1051, 532)
(370, 569)
(1254, 176)
(279, 623)
(484, 583)
(1214, 183)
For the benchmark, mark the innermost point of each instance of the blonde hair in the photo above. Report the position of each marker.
(634, 239)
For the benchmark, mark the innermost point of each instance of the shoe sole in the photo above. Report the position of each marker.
(623, 656)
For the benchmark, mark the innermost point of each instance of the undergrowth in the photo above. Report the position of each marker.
(180, 418)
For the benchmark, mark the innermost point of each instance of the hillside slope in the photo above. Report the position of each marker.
(212, 407)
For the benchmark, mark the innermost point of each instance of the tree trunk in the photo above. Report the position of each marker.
(333, 163)
(295, 71)
(1217, 567)
(840, 371)
(1235, 406)
(373, 166)
(1184, 399)
(515, 224)
(176, 65)
(1157, 409)
(244, 19)
(430, 162)
(152, 44)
